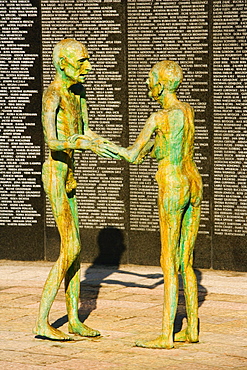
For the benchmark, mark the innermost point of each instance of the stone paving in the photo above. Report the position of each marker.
(124, 304)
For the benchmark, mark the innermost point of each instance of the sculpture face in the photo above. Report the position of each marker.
(76, 65)
(153, 85)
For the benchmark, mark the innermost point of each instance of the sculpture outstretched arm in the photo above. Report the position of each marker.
(143, 145)
(51, 102)
(96, 141)
(88, 140)
(144, 152)
(59, 145)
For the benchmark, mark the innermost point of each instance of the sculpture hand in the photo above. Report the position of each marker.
(104, 148)
(73, 138)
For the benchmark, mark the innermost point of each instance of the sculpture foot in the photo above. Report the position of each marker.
(83, 330)
(47, 331)
(185, 336)
(160, 342)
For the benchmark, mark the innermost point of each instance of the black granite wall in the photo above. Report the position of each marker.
(117, 202)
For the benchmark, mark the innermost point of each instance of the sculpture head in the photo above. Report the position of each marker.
(71, 59)
(166, 75)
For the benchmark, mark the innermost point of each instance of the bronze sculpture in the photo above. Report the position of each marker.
(65, 124)
(179, 198)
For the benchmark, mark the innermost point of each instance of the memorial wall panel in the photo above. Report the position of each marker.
(178, 31)
(102, 190)
(230, 119)
(132, 35)
(21, 200)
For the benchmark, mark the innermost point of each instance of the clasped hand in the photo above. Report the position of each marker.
(99, 145)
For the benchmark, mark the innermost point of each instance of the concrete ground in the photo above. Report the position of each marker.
(124, 304)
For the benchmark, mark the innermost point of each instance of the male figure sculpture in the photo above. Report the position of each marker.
(65, 125)
(179, 198)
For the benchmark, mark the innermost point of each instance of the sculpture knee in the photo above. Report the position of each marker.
(185, 266)
(169, 265)
(69, 253)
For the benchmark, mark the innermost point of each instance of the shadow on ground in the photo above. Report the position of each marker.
(111, 247)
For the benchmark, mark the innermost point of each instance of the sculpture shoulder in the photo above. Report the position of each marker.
(177, 111)
(170, 120)
(52, 94)
(180, 114)
(188, 110)
(159, 117)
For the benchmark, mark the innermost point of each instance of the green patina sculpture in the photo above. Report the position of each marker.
(179, 198)
(65, 124)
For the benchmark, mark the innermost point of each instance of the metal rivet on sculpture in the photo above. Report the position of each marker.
(65, 124)
(179, 198)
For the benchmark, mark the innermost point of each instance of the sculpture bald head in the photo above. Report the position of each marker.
(68, 49)
(71, 60)
(166, 73)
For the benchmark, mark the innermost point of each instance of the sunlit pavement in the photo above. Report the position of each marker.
(124, 304)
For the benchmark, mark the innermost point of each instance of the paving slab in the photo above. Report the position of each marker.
(124, 304)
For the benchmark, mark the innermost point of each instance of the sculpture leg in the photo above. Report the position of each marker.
(69, 250)
(54, 175)
(170, 223)
(72, 287)
(190, 227)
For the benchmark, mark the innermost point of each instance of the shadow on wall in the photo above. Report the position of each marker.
(111, 247)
